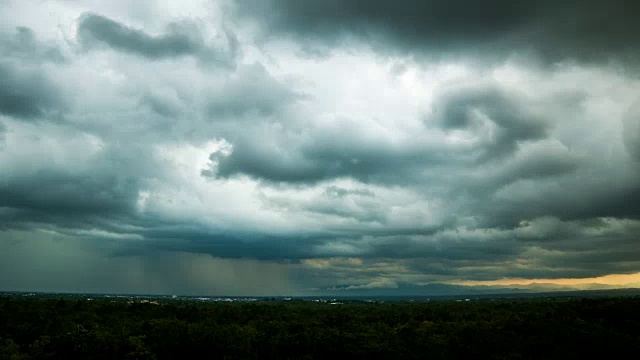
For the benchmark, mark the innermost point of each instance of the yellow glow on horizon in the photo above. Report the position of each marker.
(611, 279)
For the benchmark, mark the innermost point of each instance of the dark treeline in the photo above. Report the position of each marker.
(73, 328)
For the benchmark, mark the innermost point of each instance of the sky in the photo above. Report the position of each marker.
(311, 147)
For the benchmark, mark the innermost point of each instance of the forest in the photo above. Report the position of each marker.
(38, 327)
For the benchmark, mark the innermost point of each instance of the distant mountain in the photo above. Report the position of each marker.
(438, 289)
(433, 289)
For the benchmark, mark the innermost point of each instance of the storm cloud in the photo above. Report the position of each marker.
(26, 91)
(319, 147)
(27, 94)
(589, 31)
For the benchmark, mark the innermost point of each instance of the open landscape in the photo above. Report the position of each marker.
(319, 179)
(548, 326)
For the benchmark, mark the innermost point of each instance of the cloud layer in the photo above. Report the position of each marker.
(325, 146)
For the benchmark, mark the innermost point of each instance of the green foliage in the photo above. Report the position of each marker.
(68, 328)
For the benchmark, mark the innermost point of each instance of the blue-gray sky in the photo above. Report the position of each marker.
(246, 147)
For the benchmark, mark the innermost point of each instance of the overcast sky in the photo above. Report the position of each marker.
(290, 147)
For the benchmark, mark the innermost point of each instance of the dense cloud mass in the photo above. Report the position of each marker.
(317, 147)
(588, 31)
(27, 93)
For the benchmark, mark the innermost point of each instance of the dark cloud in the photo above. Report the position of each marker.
(28, 93)
(439, 246)
(489, 113)
(544, 248)
(345, 152)
(181, 39)
(67, 201)
(564, 197)
(554, 30)
(542, 162)
(237, 245)
(55, 176)
(70, 195)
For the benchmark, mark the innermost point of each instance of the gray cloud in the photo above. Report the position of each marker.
(70, 195)
(554, 30)
(308, 157)
(28, 93)
(181, 39)
(477, 109)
